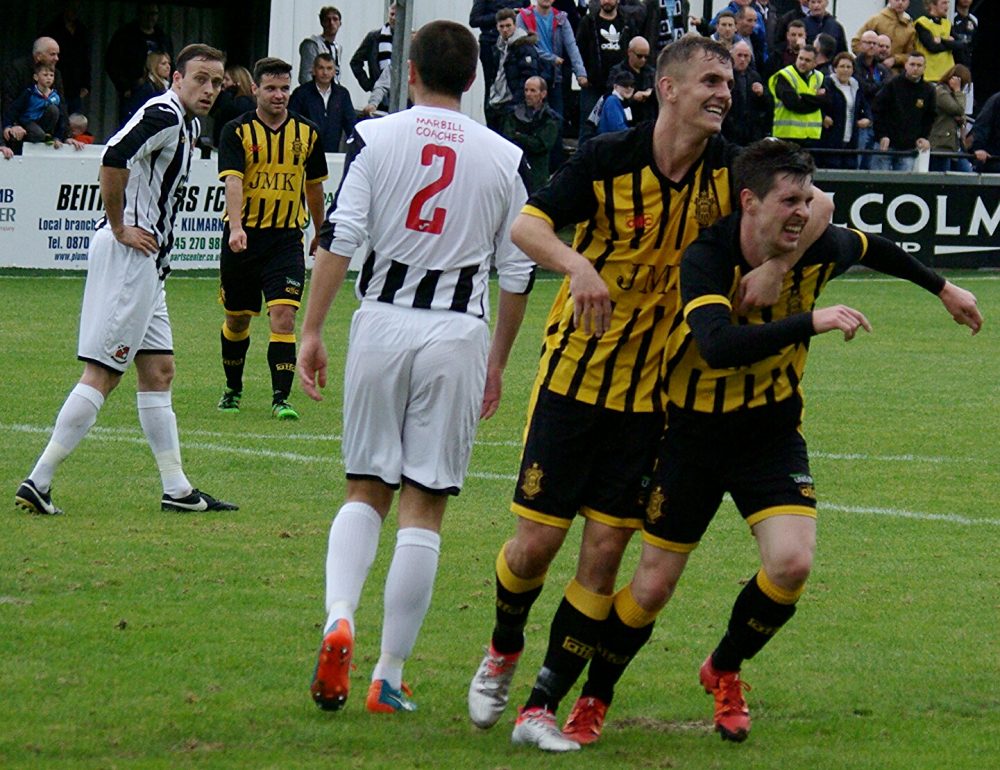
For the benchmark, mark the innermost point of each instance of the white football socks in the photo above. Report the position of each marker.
(408, 589)
(77, 416)
(353, 542)
(159, 423)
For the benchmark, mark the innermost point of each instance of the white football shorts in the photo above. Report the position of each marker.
(413, 389)
(124, 305)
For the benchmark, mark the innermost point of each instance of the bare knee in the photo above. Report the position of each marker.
(237, 324)
(533, 547)
(282, 318)
(99, 378)
(791, 570)
(371, 492)
(154, 372)
(656, 577)
(651, 592)
(600, 556)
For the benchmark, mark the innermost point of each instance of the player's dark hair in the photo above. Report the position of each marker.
(270, 65)
(328, 9)
(445, 55)
(675, 56)
(757, 169)
(198, 51)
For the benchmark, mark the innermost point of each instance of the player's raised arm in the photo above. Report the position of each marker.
(886, 257)
(846, 319)
(962, 305)
(591, 300)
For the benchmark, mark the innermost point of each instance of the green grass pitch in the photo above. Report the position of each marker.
(133, 638)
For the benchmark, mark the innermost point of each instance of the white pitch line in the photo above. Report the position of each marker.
(123, 435)
(954, 518)
(892, 458)
(98, 429)
(887, 279)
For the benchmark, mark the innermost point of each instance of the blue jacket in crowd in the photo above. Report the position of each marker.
(334, 118)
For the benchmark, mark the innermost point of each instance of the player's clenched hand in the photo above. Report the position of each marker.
(962, 306)
(491, 395)
(311, 366)
(847, 319)
(761, 287)
(591, 301)
(237, 240)
(137, 238)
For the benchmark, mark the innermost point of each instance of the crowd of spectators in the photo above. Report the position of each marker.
(557, 72)
(899, 86)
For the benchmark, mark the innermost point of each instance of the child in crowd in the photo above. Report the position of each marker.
(78, 128)
(40, 110)
(615, 114)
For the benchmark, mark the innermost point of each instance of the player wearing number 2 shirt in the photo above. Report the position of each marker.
(435, 193)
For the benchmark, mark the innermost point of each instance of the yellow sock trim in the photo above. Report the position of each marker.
(283, 337)
(776, 593)
(512, 582)
(594, 606)
(628, 609)
(232, 336)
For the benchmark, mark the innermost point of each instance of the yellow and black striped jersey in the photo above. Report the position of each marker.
(275, 165)
(759, 357)
(633, 224)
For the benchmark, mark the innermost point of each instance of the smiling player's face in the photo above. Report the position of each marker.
(700, 92)
(272, 95)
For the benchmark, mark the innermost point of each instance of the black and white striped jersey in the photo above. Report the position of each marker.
(435, 193)
(156, 147)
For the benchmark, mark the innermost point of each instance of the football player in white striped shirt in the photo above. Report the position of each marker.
(436, 193)
(124, 316)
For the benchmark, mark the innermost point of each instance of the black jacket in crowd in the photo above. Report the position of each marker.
(749, 118)
(588, 40)
(904, 112)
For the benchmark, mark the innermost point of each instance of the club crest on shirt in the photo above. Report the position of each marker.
(532, 483)
(920, 104)
(654, 510)
(297, 149)
(121, 353)
(805, 484)
(706, 209)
